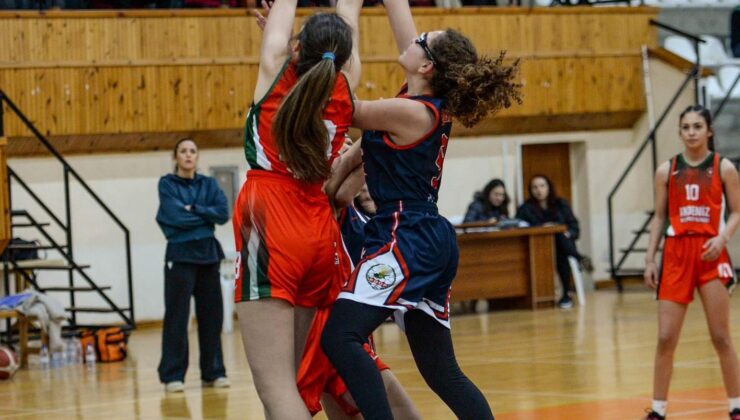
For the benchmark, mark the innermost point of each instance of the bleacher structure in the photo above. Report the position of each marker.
(55, 237)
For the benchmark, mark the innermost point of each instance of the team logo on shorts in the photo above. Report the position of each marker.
(381, 276)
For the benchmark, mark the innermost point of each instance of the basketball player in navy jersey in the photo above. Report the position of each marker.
(410, 253)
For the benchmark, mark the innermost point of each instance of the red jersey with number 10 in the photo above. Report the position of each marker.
(695, 197)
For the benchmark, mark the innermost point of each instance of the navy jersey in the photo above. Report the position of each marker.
(352, 223)
(412, 172)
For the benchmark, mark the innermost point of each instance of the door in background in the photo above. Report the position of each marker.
(551, 160)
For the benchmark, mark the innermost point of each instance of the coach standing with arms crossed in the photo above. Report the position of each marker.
(190, 204)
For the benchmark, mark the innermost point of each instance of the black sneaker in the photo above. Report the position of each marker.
(652, 415)
(565, 302)
(735, 414)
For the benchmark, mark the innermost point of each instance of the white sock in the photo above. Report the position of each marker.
(734, 403)
(660, 407)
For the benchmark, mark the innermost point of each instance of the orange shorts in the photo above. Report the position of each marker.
(288, 242)
(684, 271)
(316, 375)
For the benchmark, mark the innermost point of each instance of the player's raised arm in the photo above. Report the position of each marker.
(402, 23)
(349, 10)
(275, 43)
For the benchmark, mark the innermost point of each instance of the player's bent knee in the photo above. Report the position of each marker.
(722, 342)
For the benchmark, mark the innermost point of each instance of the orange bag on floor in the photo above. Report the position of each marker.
(109, 344)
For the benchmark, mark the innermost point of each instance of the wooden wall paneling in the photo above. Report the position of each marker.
(129, 36)
(124, 72)
(134, 99)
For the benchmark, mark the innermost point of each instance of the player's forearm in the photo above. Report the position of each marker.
(343, 168)
(349, 189)
(656, 234)
(731, 226)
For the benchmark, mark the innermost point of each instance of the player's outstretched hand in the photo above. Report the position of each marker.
(262, 19)
(651, 275)
(713, 248)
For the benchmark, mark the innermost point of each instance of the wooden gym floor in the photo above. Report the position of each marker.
(585, 363)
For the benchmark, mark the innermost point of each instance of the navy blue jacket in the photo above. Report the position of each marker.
(190, 234)
(561, 213)
(478, 211)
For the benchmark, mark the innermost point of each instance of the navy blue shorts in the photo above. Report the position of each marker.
(409, 260)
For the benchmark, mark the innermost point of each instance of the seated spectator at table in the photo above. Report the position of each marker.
(544, 207)
(489, 205)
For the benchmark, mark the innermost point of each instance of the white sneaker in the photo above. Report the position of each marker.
(222, 382)
(174, 386)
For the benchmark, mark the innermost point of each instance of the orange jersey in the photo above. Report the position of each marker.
(695, 197)
(260, 146)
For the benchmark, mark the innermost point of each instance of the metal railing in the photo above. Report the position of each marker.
(66, 226)
(727, 97)
(695, 41)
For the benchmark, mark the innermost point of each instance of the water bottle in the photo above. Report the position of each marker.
(90, 357)
(78, 350)
(44, 358)
(69, 352)
(57, 359)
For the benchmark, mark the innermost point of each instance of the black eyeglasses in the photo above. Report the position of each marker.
(422, 41)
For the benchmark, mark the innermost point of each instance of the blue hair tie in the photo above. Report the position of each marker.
(328, 56)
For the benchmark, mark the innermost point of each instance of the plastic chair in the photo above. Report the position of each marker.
(727, 76)
(714, 89)
(681, 46)
(575, 268)
(672, 3)
(712, 52)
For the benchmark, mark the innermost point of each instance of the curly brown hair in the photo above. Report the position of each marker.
(473, 86)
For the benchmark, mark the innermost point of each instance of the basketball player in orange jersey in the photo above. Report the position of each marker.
(690, 195)
(319, 384)
(287, 237)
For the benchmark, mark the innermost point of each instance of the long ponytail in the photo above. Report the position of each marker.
(299, 130)
(298, 126)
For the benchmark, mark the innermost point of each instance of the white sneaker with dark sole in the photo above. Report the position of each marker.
(222, 382)
(174, 386)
